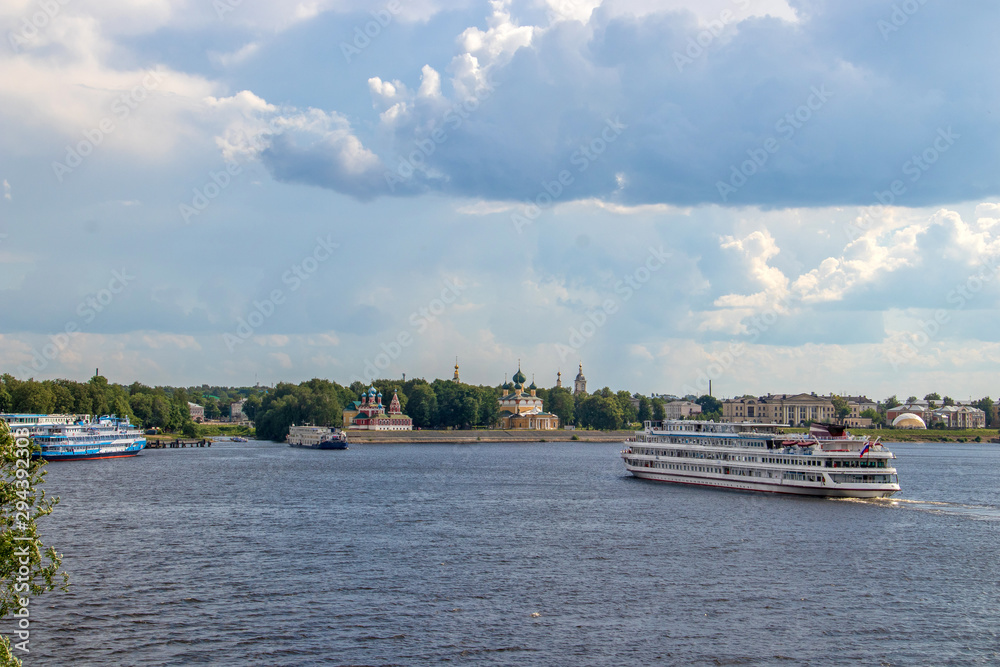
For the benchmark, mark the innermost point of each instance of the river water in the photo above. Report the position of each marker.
(540, 554)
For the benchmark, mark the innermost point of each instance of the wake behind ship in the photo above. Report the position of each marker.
(828, 462)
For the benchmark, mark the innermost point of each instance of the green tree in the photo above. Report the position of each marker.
(629, 411)
(711, 407)
(212, 409)
(933, 397)
(911, 399)
(251, 406)
(98, 386)
(600, 412)
(83, 404)
(468, 409)
(422, 405)
(5, 399)
(840, 407)
(32, 397)
(889, 403)
(876, 417)
(62, 398)
(986, 405)
(142, 408)
(561, 404)
(645, 409)
(489, 407)
(659, 412)
(22, 503)
(948, 400)
(160, 413)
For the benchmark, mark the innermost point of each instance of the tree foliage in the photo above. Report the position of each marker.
(889, 403)
(840, 407)
(711, 407)
(645, 412)
(27, 567)
(986, 405)
(600, 412)
(876, 417)
(562, 405)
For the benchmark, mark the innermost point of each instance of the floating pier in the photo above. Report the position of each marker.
(177, 444)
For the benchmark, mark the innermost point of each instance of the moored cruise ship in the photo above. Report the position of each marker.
(828, 461)
(316, 437)
(106, 438)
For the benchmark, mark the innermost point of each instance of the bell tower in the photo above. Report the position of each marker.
(580, 384)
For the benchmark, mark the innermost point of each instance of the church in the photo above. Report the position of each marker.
(520, 408)
(369, 414)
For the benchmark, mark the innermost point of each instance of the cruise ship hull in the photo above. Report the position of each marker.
(767, 487)
(91, 451)
(329, 444)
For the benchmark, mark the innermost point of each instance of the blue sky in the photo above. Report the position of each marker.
(782, 196)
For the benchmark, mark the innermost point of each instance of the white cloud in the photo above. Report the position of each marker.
(236, 57)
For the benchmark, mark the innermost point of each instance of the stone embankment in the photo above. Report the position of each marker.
(474, 436)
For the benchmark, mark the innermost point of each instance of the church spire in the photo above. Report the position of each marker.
(455, 379)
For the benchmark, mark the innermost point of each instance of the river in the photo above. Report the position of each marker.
(544, 554)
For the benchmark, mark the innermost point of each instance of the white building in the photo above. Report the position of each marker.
(681, 409)
(197, 412)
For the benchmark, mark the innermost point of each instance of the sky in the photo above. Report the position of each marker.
(779, 196)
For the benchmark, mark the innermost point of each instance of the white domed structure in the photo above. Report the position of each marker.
(908, 420)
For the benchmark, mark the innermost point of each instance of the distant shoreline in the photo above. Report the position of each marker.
(484, 435)
(433, 436)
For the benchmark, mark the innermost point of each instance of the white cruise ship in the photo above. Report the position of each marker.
(829, 461)
(316, 437)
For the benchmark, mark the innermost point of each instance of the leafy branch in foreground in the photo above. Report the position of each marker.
(27, 568)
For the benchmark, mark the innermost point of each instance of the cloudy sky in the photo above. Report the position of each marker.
(797, 195)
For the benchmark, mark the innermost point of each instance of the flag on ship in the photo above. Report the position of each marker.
(865, 450)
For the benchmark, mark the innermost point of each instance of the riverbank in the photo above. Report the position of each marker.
(983, 435)
(485, 435)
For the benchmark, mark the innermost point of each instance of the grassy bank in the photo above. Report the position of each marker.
(921, 435)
